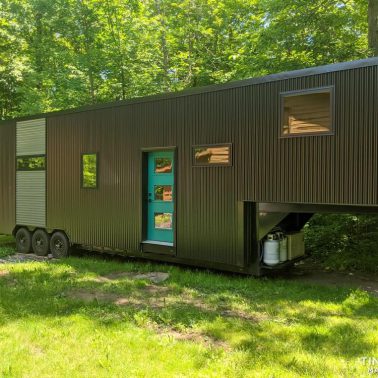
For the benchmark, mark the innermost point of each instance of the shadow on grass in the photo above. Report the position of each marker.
(342, 339)
(269, 321)
(256, 316)
(41, 289)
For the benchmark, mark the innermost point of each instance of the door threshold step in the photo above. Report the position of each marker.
(167, 244)
(158, 247)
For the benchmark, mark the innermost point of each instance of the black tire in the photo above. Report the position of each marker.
(23, 240)
(59, 245)
(41, 242)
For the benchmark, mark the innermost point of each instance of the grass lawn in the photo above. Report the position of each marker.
(78, 318)
(6, 245)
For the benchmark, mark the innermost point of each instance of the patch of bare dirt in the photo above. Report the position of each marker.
(310, 272)
(36, 351)
(192, 336)
(155, 290)
(25, 257)
(156, 301)
(243, 315)
(158, 297)
(155, 277)
(8, 279)
(99, 296)
(150, 295)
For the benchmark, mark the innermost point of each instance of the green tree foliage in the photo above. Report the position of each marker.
(66, 53)
(373, 26)
(12, 60)
(344, 241)
(301, 33)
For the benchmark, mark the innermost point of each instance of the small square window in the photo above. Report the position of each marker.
(163, 193)
(89, 171)
(163, 221)
(163, 165)
(307, 112)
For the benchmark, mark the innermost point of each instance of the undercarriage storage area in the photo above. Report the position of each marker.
(280, 233)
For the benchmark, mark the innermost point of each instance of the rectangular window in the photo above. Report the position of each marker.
(31, 163)
(308, 112)
(89, 171)
(212, 155)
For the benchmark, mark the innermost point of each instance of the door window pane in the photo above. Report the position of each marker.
(89, 170)
(163, 193)
(163, 165)
(163, 221)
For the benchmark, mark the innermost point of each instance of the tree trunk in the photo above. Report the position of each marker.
(115, 27)
(38, 48)
(373, 26)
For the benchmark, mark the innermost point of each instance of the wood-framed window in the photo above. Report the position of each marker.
(307, 112)
(211, 155)
(89, 170)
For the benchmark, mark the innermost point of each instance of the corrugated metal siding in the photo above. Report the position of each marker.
(337, 169)
(7, 177)
(31, 198)
(31, 137)
(115, 219)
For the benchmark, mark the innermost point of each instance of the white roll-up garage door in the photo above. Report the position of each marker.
(31, 184)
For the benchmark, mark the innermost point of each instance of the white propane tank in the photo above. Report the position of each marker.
(271, 250)
(283, 247)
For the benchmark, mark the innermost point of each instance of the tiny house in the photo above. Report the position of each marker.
(204, 177)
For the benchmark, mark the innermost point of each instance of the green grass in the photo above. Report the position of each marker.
(6, 245)
(195, 324)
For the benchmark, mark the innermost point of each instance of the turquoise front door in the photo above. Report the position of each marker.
(160, 222)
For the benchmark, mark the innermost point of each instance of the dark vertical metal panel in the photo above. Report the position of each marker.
(7, 177)
(111, 215)
(336, 169)
(206, 196)
(333, 169)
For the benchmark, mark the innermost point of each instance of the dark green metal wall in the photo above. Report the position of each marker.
(7, 177)
(111, 215)
(337, 169)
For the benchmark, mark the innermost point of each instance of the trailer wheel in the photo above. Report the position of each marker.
(23, 240)
(41, 242)
(59, 245)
